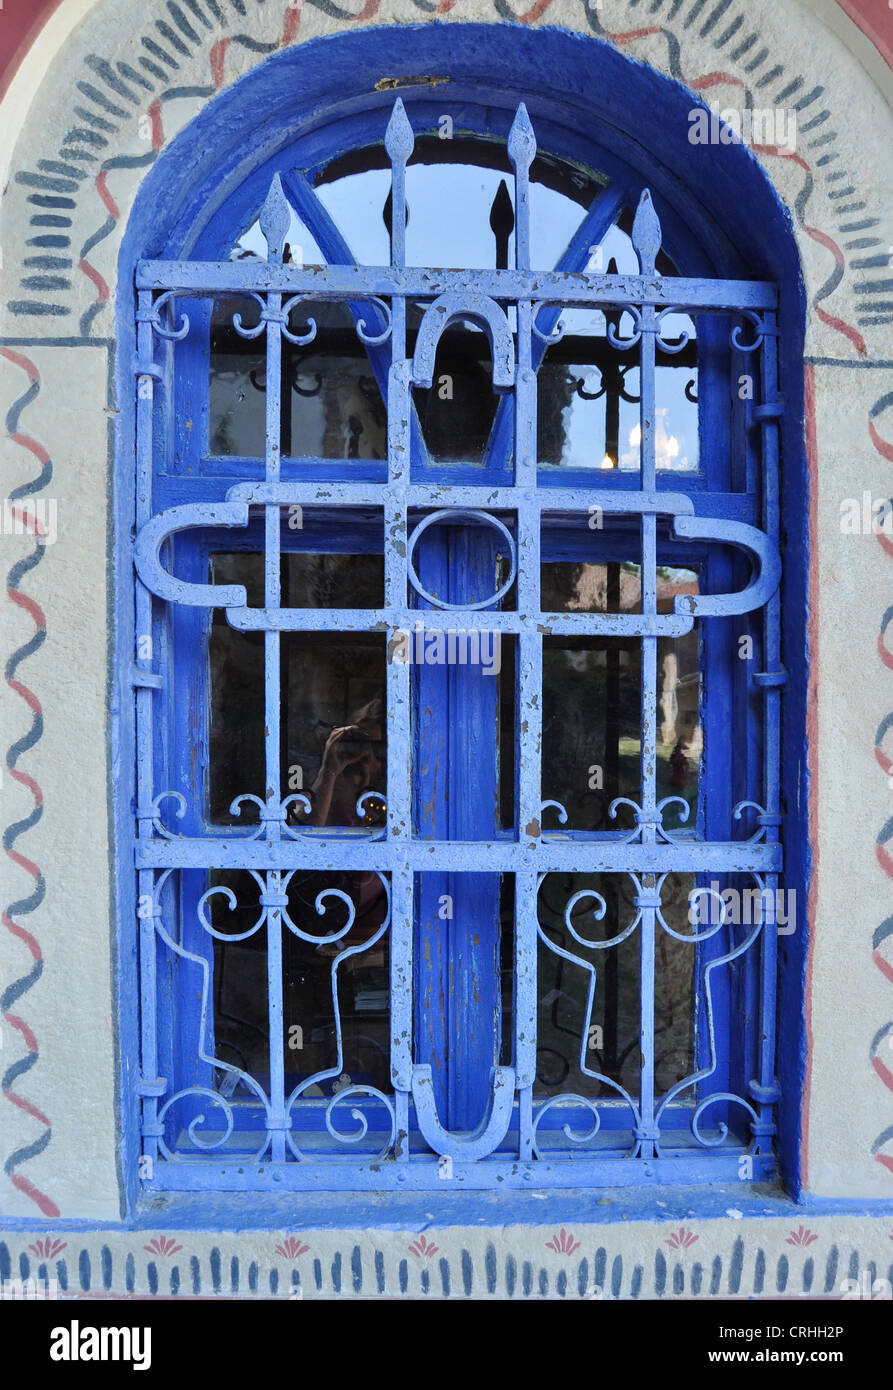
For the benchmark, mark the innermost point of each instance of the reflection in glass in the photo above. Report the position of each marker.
(612, 1030)
(309, 1041)
(331, 695)
(588, 389)
(237, 404)
(592, 700)
(333, 405)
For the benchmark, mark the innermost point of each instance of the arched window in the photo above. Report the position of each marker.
(457, 675)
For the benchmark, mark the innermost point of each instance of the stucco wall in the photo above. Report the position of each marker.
(58, 1138)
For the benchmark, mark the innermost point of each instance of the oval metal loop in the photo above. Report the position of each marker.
(457, 514)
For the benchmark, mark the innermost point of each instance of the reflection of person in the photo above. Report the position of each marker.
(678, 765)
(352, 763)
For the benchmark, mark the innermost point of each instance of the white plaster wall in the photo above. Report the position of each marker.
(70, 1007)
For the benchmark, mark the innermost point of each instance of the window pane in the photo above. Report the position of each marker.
(331, 695)
(612, 1030)
(237, 382)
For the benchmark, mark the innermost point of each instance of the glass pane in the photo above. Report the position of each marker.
(611, 1032)
(588, 389)
(237, 406)
(456, 412)
(592, 700)
(333, 726)
(591, 729)
(331, 695)
(363, 982)
(332, 404)
(309, 1035)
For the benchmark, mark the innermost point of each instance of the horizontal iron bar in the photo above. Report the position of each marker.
(372, 1174)
(447, 619)
(173, 489)
(350, 282)
(582, 500)
(352, 851)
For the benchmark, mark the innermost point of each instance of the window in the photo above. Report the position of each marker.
(457, 685)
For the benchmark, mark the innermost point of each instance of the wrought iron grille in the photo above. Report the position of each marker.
(209, 1122)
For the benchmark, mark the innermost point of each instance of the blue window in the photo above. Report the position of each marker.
(458, 680)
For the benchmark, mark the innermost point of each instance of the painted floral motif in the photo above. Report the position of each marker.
(425, 1249)
(162, 1245)
(292, 1248)
(47, 1249)
(801, 1236)
(563, 1243)
(681, 1239)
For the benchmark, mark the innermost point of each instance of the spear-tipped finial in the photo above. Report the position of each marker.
(521, 141)
(399, 139)
(647, 234)
(275, 218)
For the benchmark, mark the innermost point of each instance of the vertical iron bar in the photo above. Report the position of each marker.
(143, 660)
(649, 721)
(272, 722)
(521, 150)
(766, 1092)
(399, 143)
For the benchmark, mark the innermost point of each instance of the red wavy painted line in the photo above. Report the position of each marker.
(885, 656)
(102, 289)
(882, 965)
(886, 764)
(216, 57)
(883, 1072)
(714, 79)
(629, 34)
(532, 15)
(31, 607)
(22, 1104)
(27, 864)
(24, 363)
(29, 521)
(156, 125)
(46, 1204)
(21, 1027)
(292, 22)
(25, 440)
(884, 860)
(883, 448)
(19, 931)
(102, 189)
(27, 695)
(29, 783)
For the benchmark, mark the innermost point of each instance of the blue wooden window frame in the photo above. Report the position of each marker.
(732, 504)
